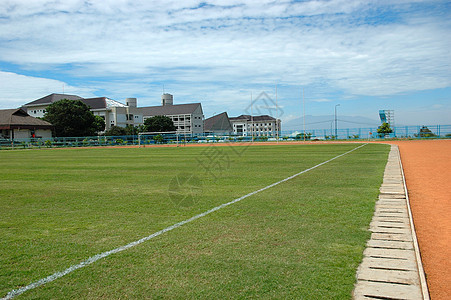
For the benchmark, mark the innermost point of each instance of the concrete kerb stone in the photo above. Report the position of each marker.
(390, 267)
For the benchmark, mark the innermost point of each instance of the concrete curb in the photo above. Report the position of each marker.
(391, 267)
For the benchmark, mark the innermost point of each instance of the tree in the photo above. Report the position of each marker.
(99, 123)
(384, 129)
(159, 124)
(71, 118)
(300, 136)
(116, 131)
(425, 132)
(158, 139)
(132, 130)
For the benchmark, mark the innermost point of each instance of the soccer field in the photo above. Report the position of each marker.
(303, 238)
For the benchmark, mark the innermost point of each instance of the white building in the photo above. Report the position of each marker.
(187, 118)
(264, 125)
(113, 112)
(37, 108)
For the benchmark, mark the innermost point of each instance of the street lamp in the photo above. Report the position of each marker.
(336, 134)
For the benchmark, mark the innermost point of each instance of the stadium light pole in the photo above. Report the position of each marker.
(336, 131)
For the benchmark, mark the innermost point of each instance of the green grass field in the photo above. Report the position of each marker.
(303, 238)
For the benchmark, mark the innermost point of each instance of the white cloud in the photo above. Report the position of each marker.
(321, 100)
(19, 89)
(337, 45)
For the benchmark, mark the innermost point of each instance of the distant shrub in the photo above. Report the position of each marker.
(425, 133)
(300, 136)
(159, 139)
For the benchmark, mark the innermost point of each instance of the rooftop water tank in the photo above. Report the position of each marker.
(167, 99)
(131, 102)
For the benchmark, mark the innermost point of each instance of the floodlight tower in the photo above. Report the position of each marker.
(387, 116)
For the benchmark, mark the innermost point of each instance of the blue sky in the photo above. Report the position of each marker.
(363, 55)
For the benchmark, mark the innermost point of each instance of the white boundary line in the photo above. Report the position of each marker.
(95, 258)
(423, 283)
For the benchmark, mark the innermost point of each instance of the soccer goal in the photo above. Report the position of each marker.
(166, 137)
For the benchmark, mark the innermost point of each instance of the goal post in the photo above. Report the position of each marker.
(146, 136)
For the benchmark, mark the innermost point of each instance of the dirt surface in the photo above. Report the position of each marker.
(427, 168)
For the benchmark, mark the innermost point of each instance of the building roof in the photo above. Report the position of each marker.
(219, 122)
(101, 103)
(253, 118)
(52, 98)
(18, 118)
(93, 103)
(165, 110)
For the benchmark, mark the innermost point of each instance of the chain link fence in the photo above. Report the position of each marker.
(401, 132)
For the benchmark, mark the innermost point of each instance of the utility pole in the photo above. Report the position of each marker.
(303, 102)
(277, 118)
(252, 121)
(336, 131)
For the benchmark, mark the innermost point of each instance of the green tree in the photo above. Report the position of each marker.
(425, 132)
(116, 131)
(99, 123)
(300, 136)
(71, 118)
(131, 130)
(384, 129)
(158, 139)
(159, 124)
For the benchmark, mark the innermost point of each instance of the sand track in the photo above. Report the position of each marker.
(427, 168)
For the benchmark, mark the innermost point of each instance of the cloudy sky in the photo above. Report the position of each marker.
(363, 55)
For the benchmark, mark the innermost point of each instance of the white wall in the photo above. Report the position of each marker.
(21, 133)
(45, 134)
(37, 111)
(197, 121)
